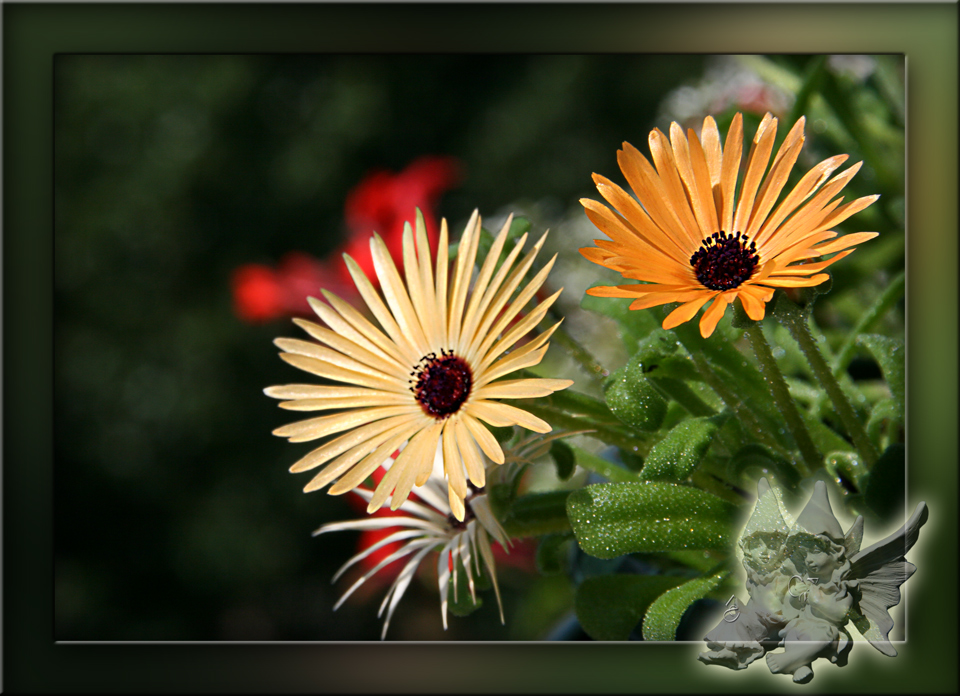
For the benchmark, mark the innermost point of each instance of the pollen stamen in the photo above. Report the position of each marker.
(441, 384)
(725, 261)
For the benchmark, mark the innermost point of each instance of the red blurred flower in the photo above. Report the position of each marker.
(262, 293)
(383, 201)
(380, 203)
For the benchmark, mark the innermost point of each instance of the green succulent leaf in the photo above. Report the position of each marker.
(664, 614)
(632, 398)
(463, 605)
(535, 514)
(552, 553)
(735, 371)
(563, 457)
(846, 466)
(885, 411)
(609, 607)
(755, 457)
(676, 456)
(823, 436)
(889, 353)
(611, 519)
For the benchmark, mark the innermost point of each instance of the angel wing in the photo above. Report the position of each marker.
(878, 571)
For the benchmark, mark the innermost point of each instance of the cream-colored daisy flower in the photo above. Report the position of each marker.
(694, 238)
(429, 376)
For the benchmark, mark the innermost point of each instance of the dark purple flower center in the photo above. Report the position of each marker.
(441, 383)
(725, 261)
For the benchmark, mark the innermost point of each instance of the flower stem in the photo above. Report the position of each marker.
(796, 323)
(589, 363)
(781, 395)
(748, 420)
(601, 431)
(886, 300)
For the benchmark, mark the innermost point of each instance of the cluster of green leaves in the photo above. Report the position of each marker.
(691, 425)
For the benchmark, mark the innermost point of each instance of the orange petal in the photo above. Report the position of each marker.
(708, 322)
(685, 312)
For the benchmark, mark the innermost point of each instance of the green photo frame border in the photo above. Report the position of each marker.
(34, 33)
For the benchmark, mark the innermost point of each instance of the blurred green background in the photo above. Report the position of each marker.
(175, 516)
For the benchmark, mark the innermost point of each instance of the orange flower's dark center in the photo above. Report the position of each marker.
(441, 383)
(725, 261)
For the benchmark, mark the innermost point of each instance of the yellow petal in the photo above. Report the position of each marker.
(393, 437)
(373, 461)
(777, 178)
(452, 464)
(380, 311)
(488, 443)
(466, 255)
(468, 451)
(753, 304)
(321, 368)
(344, 319)
(354, 438)
(500, 415)
(522, 388)
(396, 294)
(312, 428)
(356, 351)
(474, 310)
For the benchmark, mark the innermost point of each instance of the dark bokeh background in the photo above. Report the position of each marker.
(175, 516)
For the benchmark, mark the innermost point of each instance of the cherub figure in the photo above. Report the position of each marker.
(746, 633)
(822, 582)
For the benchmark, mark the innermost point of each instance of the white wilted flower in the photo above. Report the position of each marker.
(425, 527)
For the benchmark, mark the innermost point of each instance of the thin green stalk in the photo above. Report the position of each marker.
(796, 322)
(680, 391)
(886, 300)
(747, 418)
(589, 363)
(564, 421)
(781, 395)
(613, 472)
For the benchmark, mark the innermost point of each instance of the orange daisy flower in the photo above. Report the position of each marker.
(693, 237)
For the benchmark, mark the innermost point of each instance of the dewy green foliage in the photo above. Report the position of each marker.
(634, 400)
(610, 606)
(563, 458)
(663, 616)
(612, 519)
(529, 515)
(889, 352)
(676, 456)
